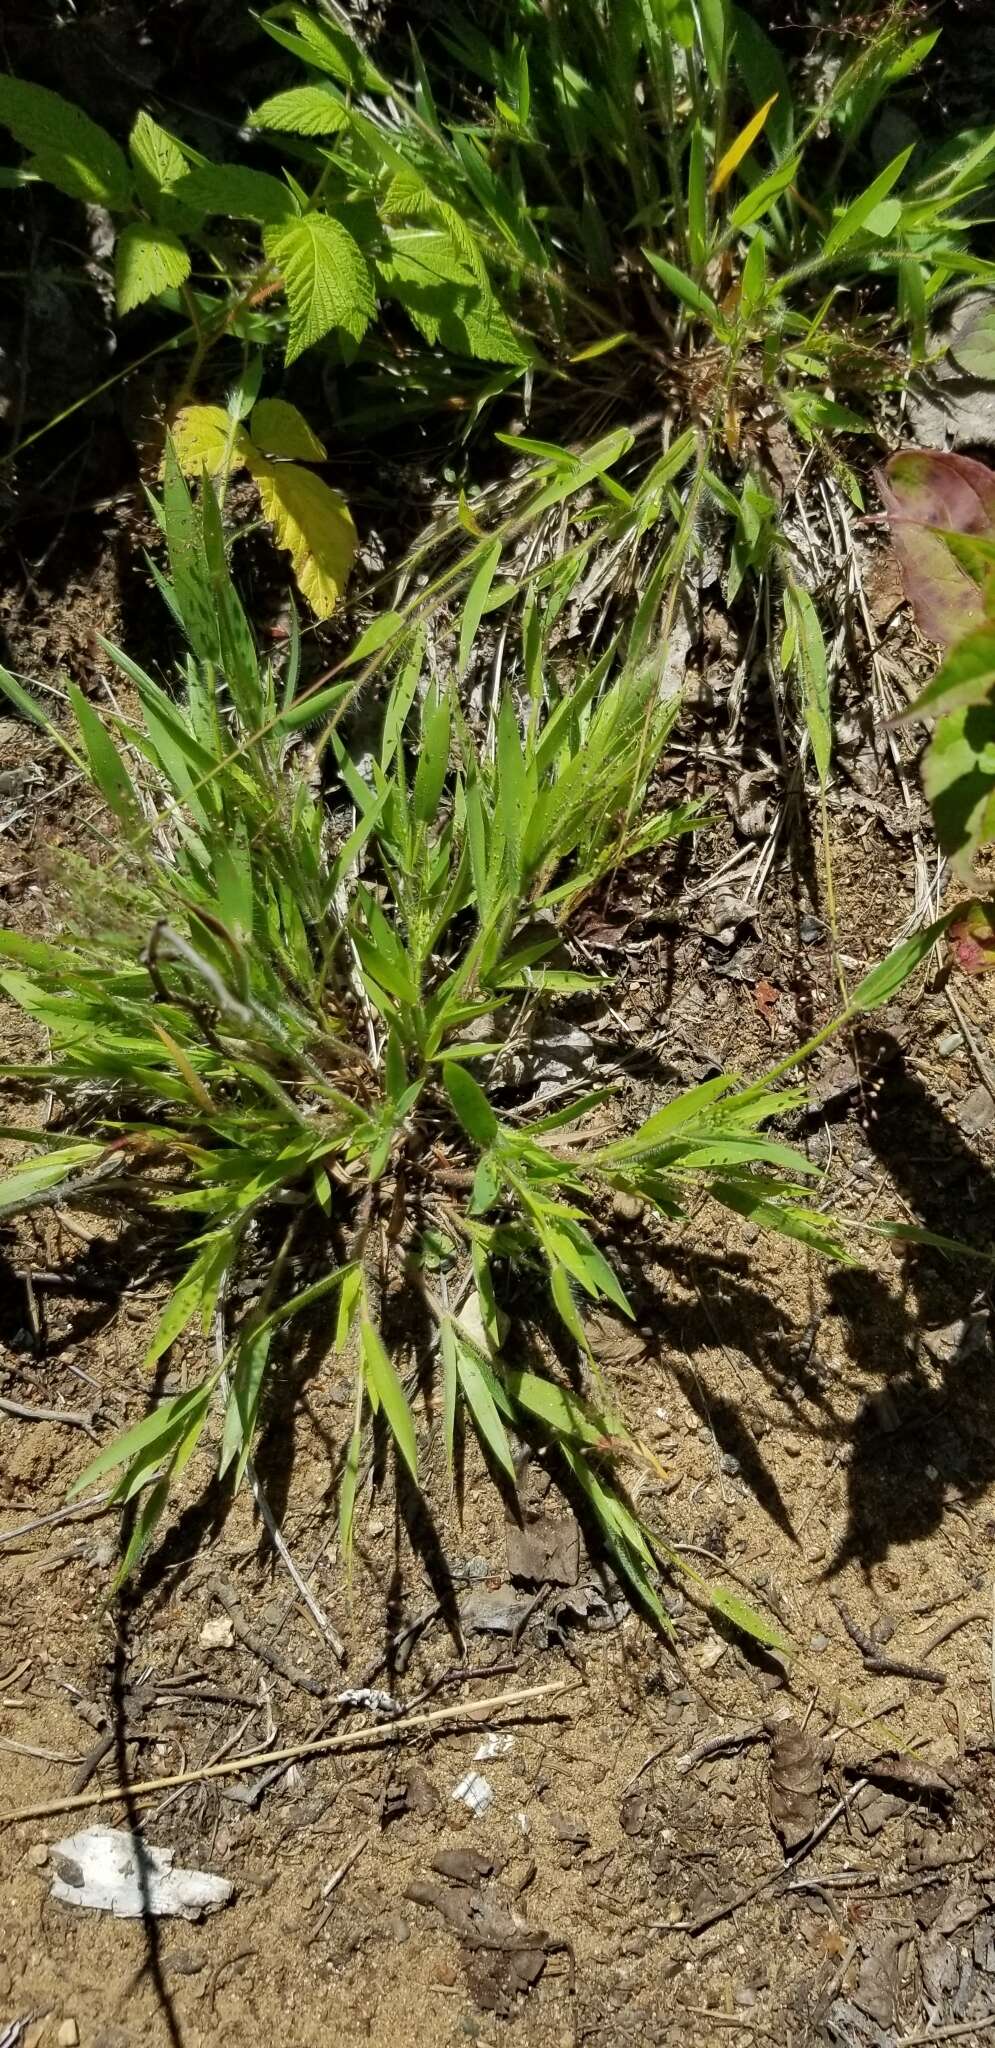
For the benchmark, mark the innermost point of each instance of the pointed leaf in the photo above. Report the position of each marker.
(314, 524)
(742, 145)
(148, 259)
(315, 109)
(384, 1384)
(924, 490)
(236, 190)
(278, 429)
(327, 280)
(471, 1105)
(70, 151)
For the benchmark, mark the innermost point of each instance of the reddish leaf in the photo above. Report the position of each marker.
(924, 493)
(972, 939)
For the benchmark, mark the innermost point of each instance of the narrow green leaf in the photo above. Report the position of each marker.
(433, 759)
(480, 1402)
(745, 1617)
(692, 295)
(814, 674)
(450, 1388)
(109, 772)
(384, 1383)
(470, 1104)
(162, 1426)
(885, 980)
(858, 214)
(473, 604)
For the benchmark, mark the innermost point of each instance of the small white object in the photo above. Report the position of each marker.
(68, 2035)
(493, 1745)
(474, 1792)
(218, 1633)
(114, 1871)
(523, 1822)
(370, 1699)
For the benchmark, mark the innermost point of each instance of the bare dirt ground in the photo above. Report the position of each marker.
(660, 1860)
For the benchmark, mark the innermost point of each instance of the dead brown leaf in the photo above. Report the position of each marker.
(797, 1767)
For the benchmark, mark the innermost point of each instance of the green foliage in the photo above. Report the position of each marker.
(259, 1026)
(942, 513)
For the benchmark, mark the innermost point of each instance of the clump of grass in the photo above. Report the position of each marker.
(285, 1031)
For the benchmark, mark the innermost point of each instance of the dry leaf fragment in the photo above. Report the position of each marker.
(797, 1766)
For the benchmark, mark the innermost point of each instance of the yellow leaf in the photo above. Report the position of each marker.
(737, 150)
(279, 429)
(206, 438)
(314, 524)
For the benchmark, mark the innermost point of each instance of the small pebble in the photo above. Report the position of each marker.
(950, 1043)
(818, 1643)
(38, 1855)
(68, 2034)
(729, 1465)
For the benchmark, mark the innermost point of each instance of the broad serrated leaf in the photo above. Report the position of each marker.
(973, 349)
(965, 676)
(303, 110)
(447, 299)
(314, 524)
(70, 151)
(206, 437)
(328, 47)
(148, 259)
(158, 162)
(384, 1385)
(235, 190)
(326, 277)
(279, 430)
(959, 779)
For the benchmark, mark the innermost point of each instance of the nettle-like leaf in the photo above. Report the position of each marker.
(315, 109)
(327, 279)
(158, 164)
(449, 301)
(206, 438)
(932, 498)
(67, 149)
(314, 524)
(236, 190)
(279, 430)
(310, 519)
(327, 47)
(148, 260)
